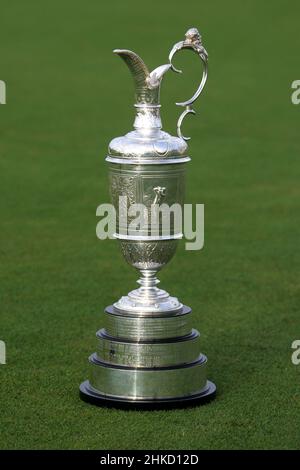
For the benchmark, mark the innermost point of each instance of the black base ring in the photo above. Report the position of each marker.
(98, 399)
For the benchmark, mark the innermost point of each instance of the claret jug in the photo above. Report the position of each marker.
(148, 354)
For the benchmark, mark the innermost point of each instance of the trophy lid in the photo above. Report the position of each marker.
(147, 143)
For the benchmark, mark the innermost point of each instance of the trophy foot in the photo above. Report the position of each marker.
(147, 361)
(89, 395)
(148, 298)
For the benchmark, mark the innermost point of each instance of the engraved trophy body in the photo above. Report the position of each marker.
(148, 354)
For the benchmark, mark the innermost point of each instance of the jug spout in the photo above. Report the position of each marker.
(147, 84)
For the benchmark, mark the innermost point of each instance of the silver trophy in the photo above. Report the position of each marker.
(148, 354)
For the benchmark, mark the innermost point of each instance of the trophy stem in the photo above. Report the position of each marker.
(148, 281)
(148, 290)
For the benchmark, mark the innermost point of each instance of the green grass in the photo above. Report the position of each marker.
(67, 96)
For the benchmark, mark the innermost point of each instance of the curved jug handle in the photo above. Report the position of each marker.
(192, 41)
